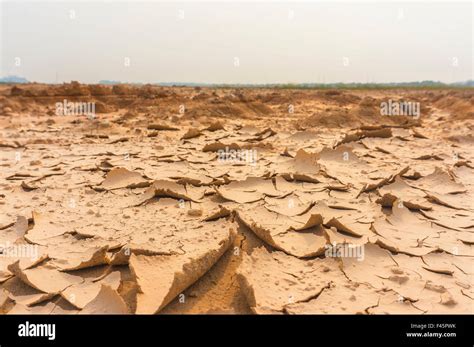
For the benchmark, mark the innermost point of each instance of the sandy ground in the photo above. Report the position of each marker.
(200, 200)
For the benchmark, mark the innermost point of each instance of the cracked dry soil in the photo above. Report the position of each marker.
(200, 200)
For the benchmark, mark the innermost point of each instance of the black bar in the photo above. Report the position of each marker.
(312, 330)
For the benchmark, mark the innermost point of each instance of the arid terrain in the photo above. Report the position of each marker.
(221, 200)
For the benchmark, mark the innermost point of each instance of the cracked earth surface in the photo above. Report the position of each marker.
(137, 211)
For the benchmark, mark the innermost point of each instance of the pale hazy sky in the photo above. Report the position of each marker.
(237, 42)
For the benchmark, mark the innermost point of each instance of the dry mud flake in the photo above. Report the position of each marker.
(406, 233)
(399, 190)
(439, 182)
(376, 265)
(181, 172)
(336, 238)
(163, 188)
(10, 239)
(290, 206)
(161, 126)
(81, 294)
(364, 133)
(354, 222)
(68, 252)
(44, 229)
(23, 294)
(392, 303)
(341, 162)
(448, 218)
(4, 301)
(250, 190)
(6, 220)
(275, 282)
(89, 258)
(220, 146)
(161, 278)
(107, 301)
(123, 178)
(303, 167)
(445, 287)
(346, 167)
(441, 263)
(340, 297)
(301, 236)
(38, 309)
(119, 258)
(44, 278)
(436, 299)
(381, 271)
(216, 212)
(191, 133)
(454, 201)
(11, 255)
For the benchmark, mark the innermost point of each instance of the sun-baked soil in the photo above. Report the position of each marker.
(208, 200)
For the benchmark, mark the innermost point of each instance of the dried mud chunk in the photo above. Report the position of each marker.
(303, 167)
(404, 232)
(455, 201)
(392, 303)
(302, 236)
(4, 300)
(26, 262)
(12, 234)
(399, 190)
(163, 188)
(336, 238)
(215, 126)
(6, 221)
(377, 263)
(251, 189)
(240, 197)
(90, 258)
(439, 263)
(273, 281)
(80, 295)
(447, 218)
(219, 212)
(121, 257)
(160, 126)
(220, 146)
(24, 294)
(381, 271)
(68, 251)
(341, 297)
(436, 298)
(122, 178)
(44, 229)
(439, 182)
(161, 278)
(107, 301)
(27, 186)
(360, 134)
(337, 162)
(191, 133)
(347, 220)
(38, 309)
(289, 206)
(44, 278)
